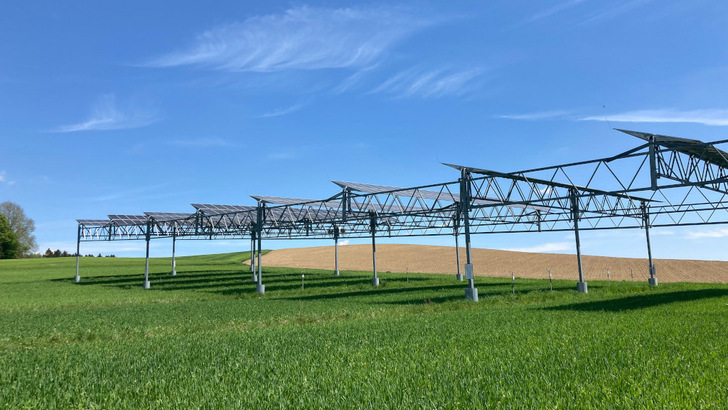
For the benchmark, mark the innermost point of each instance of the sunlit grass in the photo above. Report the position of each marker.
(204, 338)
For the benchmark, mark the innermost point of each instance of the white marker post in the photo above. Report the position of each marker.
(551, 285)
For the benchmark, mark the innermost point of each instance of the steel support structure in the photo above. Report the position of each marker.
(458, 276)
(146, 265)
(581, 286)
(373, 225)
(336, 250)
(680, 182)
(174, 248)
(77, 278)
(652, 281)
(260, 287)
(471, 292)
(252, 256)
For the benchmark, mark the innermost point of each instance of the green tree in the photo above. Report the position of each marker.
(9, 244)
(21, 225)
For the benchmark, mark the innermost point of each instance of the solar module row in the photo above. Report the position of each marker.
(698, 149)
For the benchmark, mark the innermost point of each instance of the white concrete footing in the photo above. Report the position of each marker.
(471, 294)
(581, 287)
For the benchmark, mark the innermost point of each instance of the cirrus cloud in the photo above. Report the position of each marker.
(106, 116)
(717, 117)
(302, 38)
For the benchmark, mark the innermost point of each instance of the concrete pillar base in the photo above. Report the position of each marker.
(652, 281)
(147, 285)
(336, 273)
(375, 281)
(581, 287)
(77, 279)
(174, 272)
(471, 294)
(459, 277)
(255, 277)
(260, 289)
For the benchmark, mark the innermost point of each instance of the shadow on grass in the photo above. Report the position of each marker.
(641, 301)
(426, 301)
(383, 291)
(238, 282)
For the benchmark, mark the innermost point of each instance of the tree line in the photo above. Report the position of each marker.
(50, 253)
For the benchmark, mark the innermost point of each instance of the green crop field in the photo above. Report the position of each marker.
(205, 339)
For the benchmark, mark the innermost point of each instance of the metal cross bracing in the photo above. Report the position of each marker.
(666, 181)
(684, 180)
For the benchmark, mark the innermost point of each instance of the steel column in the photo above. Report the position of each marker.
(336, 255)
(146, 268)
(653, 163)
(252, 256)
(373, 225)
(457, 257)
(174, 246)
(646, 218)
(471, 292)
(581, 286)
(78, 255)
(260, 287)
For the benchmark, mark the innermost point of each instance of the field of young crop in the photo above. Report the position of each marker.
(204, 339)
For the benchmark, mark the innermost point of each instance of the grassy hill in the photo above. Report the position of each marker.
(204, 338)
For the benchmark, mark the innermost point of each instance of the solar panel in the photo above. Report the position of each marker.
(128, 219)
(277, 200)
(410, 193)
(699, 149)
(214, 209)
(168, 216)
(93, 222)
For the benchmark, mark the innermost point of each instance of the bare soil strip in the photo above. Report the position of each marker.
(495, 263)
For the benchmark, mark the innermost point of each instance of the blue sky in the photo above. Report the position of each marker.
(149, 106)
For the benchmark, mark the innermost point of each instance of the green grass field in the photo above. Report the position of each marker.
(205, 339)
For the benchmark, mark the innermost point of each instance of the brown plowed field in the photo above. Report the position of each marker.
(487, 262)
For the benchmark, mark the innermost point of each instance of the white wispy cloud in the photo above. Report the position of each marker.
(716, 233)
(4, 178)
(418, 82)
(209, 142)
(107, 116)
(613, 9)
(535, 116)
(546, 247)
(344, 242)
(552, 10)
(354, 80)
(282, 155)
(302, 38)
(283, 111)
(127, 193)
(706, 117)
